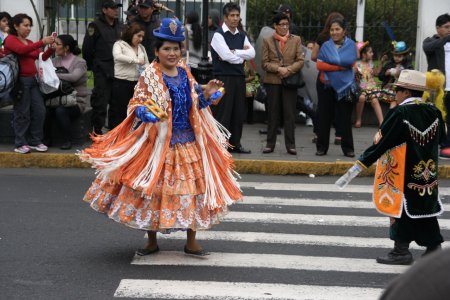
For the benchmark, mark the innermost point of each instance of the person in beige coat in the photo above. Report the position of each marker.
(280, 99)
(130, 59)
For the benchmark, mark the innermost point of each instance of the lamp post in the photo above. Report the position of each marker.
(204, 67)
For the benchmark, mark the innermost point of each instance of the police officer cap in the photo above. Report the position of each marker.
(111, 4)
(132, 11)
(283, 8)
(146, 3)
(170, 30)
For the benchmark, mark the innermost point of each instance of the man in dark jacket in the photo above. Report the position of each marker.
(97, 51)
(150, 21)
(437, 50)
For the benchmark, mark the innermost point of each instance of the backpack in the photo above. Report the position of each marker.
(9, 74)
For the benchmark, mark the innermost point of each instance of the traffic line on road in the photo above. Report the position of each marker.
(356, 203)
(310, 187)
(272, 261)
(177, 289)
(310, 219)
(291, 239)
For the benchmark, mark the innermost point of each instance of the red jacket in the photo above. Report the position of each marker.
(27, 54)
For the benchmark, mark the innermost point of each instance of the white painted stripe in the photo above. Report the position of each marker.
(309, 187)
(273, 261)
(356, 203)
(291, 239)
(176, 289)
(329, 220)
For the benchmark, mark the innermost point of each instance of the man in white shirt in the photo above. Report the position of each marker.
(437, 50)
(230, 48)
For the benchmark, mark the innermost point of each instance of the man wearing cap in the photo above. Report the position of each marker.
(150, 22)
(437, 50)
(406, 178)
(131, 14)
(97, 51)
(230, 48)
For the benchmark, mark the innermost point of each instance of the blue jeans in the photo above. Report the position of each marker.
(29, 114)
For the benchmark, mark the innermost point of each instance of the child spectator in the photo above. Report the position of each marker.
(5, 18)
(365, 73)
(6, 99)
(250, 88)
(401, 60)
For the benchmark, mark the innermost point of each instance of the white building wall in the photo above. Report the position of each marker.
(426, 26)
(14, 7)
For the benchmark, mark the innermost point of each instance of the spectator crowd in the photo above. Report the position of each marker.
(349, 74)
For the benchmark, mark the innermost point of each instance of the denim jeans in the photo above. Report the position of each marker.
(29, 114)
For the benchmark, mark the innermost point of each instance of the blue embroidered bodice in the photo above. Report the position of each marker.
(180, 94)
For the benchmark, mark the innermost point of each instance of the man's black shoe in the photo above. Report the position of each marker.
(400, 255)
(396, 259)
(241, 150)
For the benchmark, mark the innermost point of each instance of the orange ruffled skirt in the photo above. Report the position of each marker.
(176, 202)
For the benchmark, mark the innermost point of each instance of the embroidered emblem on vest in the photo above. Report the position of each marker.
(422, 137)
(423, 188)
(424, 171)
(389, 181)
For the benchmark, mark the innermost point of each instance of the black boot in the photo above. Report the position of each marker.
(431, 249)
(400, 255)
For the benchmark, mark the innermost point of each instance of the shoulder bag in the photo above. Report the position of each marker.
(294, 81)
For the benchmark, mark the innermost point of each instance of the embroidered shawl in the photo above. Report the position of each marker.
(133, 154)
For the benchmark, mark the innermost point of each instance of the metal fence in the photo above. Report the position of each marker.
(382, 17)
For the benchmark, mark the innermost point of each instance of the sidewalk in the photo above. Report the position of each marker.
(277, 163)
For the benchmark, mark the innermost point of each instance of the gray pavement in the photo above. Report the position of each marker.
(278, 162)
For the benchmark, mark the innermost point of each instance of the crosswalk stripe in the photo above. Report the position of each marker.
(177, 289)
(307, 187)
(355, 203)
(291, 239)
(330, 220)
(273, 261)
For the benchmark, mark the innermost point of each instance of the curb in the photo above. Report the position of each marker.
(242, 166)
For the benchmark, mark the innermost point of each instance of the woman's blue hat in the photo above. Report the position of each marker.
(170, 30)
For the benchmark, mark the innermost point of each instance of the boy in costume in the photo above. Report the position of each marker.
(406, 179)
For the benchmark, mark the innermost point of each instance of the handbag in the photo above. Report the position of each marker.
(294, 81)
(261, 94)
(65, 88)
(48, 80)
(65, 100)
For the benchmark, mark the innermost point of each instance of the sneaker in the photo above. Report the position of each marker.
(309, 122)
(24, 149)
(445, 153)
(40, 148)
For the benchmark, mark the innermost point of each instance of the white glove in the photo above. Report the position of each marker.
(348, 176)
(393, 71)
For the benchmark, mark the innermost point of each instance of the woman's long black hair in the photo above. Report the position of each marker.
(193, 19)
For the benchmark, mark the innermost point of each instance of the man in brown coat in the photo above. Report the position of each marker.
(282, 56)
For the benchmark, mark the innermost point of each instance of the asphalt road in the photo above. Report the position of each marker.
(53, 246)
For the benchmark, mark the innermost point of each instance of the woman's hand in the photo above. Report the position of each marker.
(283, 72)
(212, 86)
(48, 40)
